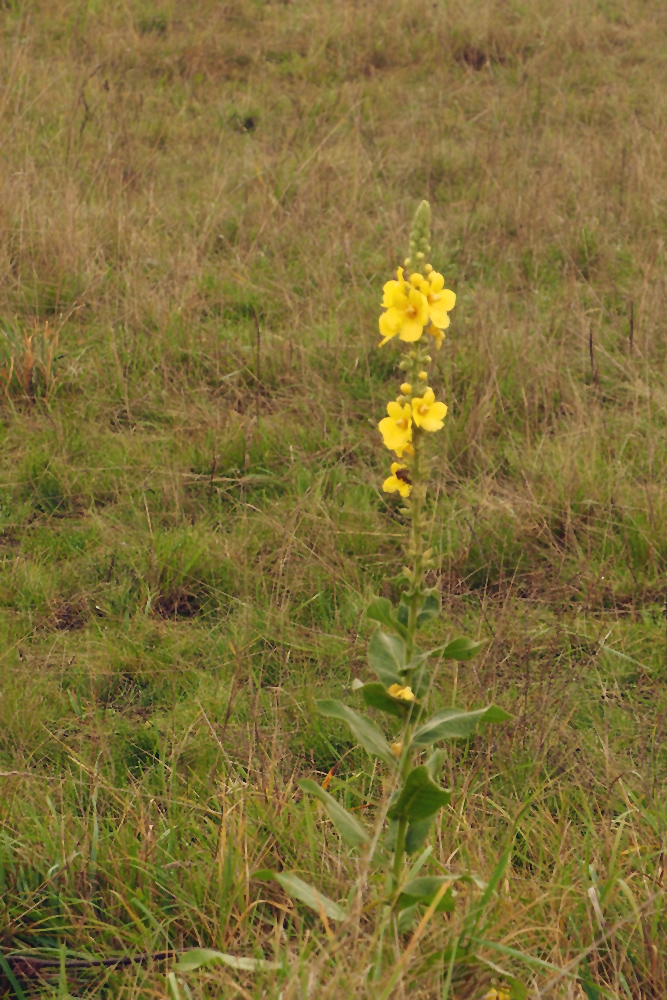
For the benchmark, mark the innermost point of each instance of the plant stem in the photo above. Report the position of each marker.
(399, 852)
(417, 359)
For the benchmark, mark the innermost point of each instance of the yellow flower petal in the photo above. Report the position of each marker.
(448, 297)
(438, 315)
(411, 330)
(402, 693)
(436, 282)
(393, 483)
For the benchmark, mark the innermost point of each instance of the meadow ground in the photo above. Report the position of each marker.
(203, 201)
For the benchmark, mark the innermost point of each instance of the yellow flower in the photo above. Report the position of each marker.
(392, 287)
(402, 693)
(397, 749)
(428, 414)
(396, 429)
(440, 300)
(406, 388)
(398, 480)
(406, 311)
(422, 376)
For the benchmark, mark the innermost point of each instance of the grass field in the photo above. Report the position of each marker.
(203, 201)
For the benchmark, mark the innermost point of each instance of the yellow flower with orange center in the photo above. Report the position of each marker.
(406, 310)
(398, 480)
(428, 414)
(396, 428)
(440, 300)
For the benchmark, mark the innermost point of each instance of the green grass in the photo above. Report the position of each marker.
(191, 524)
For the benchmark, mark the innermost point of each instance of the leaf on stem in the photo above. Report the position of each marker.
(298, 889)
(452, 723)
(419, 672)
(420, 797)
(386, 656)
(381, 611)
(435, 763)
(376, 696)
(430, 609)
(365, 731)
(350, 829)
(204, 958)
(461, 649)
(406, 918)
(416, 834)
(424, 890)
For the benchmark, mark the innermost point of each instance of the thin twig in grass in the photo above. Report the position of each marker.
(28, 965)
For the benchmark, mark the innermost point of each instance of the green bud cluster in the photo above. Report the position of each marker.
(420, 237)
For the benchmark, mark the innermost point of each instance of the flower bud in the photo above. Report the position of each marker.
(397, 749)
(422, 376)
(406, 388)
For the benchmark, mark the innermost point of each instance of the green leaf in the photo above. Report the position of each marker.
(381, 611)
(424, 889)
(11, 978)
(421, 678)
(204, 958)
(350, 829)
(386, 656)
(416, 834)
(298, 889)
(461, 649)
(430, 609)
(406, 918)
(366, 732)
(518, 990)
(452, 724)
(435, 762)
(377, 696)
(420, 797)
(173, 991)
(421, 682)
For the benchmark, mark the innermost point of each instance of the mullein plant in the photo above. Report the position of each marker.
(416, 311)
(416, 308)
